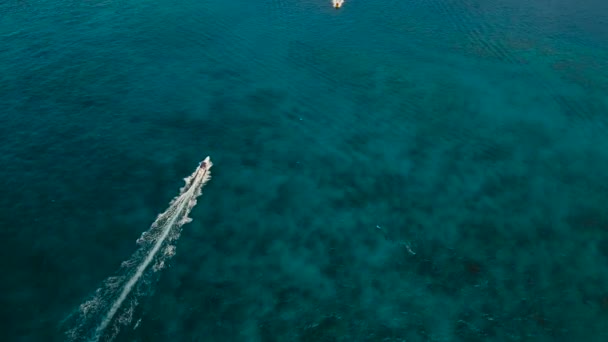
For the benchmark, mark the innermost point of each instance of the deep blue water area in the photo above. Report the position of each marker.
(398, 170)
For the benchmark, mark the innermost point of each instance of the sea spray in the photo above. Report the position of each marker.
(113, 304)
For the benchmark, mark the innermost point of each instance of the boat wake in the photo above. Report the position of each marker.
(113, 304)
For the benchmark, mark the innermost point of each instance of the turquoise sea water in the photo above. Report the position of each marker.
(424, 170)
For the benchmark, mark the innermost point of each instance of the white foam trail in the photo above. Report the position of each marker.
(165, 228)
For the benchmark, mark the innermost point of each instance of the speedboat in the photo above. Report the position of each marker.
(203, 164)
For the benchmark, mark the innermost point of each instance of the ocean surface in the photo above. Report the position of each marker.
(398, 170)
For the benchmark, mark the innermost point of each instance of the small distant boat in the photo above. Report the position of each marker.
(337, 3)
